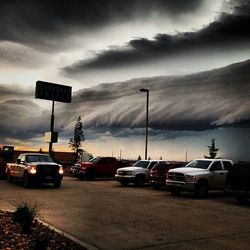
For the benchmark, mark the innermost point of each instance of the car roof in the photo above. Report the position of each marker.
(209, 159)
(34, 154)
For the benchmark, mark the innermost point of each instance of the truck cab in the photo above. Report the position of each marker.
(199, 176)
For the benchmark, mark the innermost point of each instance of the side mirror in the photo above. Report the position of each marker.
(18, 161)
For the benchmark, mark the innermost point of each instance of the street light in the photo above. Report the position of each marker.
(146, 144)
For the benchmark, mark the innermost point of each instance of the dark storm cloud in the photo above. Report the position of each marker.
(229, 31)
(22, 118)
(195, 102)
(47, 24)
(8, 91)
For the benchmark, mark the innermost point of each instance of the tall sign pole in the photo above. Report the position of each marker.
(53, 92)
(52, 127)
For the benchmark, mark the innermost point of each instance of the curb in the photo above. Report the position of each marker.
(71, 237)
(8, 207)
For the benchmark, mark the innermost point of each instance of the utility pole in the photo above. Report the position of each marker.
(146, 134)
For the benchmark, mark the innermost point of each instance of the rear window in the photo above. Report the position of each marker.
(161, 166)
(152, 164)
(227, 165)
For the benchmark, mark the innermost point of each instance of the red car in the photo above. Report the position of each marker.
(158, 174)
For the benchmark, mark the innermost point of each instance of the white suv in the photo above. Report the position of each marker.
(199, 176)
(137, 174)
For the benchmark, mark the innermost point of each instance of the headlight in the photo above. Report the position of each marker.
(32, 169)
(129, 173)
(190, 178)
(60, 170)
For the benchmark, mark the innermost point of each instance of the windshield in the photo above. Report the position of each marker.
(38, 158)
(95, 159)
(141, 164)
(199, 164)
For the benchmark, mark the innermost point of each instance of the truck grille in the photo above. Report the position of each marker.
(47, 170)
(122, 172)
(176, 176)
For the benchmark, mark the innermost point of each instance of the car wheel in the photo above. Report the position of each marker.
(140, 181)
(26, 181)
(57, 184)
(124, 183)
(175, 192)
(201, 190)
(243, 199)
(9, 178)
(157, 186)
(90, 175)
(81, 177)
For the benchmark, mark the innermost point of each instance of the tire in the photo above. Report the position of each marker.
(175, 192)
(201, 190)
(242, 199)
(9, 178)
(157, 186)
(81, 177)
(26, 181)
(140, 181)
(124, 182)
(57, 184)
(90, 175)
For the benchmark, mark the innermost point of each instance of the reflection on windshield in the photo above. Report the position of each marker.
(198, 164)
(95, 159)
(141, 164)
(38, 158)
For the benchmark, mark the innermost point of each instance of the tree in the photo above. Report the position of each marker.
(139, 158)
(212, 150)
(76, 142)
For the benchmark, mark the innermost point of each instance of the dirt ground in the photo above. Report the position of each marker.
(108, 216)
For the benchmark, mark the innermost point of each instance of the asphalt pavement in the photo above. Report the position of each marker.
(105, 215)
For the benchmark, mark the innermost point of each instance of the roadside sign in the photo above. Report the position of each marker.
(53, 91)
(51, 137)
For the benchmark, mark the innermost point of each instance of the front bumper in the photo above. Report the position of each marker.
(128, 178)
(187, 186)
(45, 178)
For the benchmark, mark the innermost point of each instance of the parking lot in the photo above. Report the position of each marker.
(109, 216)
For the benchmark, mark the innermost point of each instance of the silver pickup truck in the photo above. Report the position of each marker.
(199, 176)
(137, 174)
(33, 167)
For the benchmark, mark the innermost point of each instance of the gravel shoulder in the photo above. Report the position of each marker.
(40, 237)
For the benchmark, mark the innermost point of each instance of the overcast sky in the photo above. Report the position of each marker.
(193, 56)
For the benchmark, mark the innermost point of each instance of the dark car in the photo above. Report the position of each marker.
(238, 181)
(158, 174)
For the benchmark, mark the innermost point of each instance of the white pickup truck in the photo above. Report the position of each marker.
(199, 176)
(137, 174)
(33, 167)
